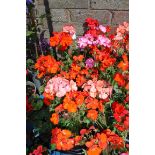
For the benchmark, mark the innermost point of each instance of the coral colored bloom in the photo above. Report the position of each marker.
(66, 133)
(61, 39)
(83, 131)
(59, 108)
(80, 80)
(72, 107)
(115, 141)
(102, 140)
(77, 140)
(78, 58)
(92, 114)
(119, 79)
(124, 65)
(94, 150)
(55, 118)
(46, 64)
(97, 88)
(62, 139)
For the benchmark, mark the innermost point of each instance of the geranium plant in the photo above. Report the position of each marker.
(86, 89)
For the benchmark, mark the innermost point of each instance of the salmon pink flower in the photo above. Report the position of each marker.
(71, 30)
(97, 88)
(60, 86)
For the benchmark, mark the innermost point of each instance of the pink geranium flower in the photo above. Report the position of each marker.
(104, 41)
(102, 28)
(70, 29)
(124, 153)
(89, 62)
(97, 88)
(60, 86)
(121, 30)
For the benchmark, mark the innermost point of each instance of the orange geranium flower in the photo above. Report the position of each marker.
(77, 140)
(64, 74)
(54, 41)
(66, 39)
(115, 141)
(124, 65)
(59, 108)
(101, 107)
(78, 58)
(93, 104)
(66, 133)
(84, 71)
(72, 107)
(80, 99)
(48, 96)
(73, 74)
(92, 114)
(75, 67)
(69, 105)
(95, 150)
(61, 39)
(102, 140)
(80, 80)
(119, 79)
(97, 144)
(62, 140)
(127, 86)
(55, 118)
(46, 64)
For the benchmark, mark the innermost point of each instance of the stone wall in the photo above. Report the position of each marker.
(60, 12)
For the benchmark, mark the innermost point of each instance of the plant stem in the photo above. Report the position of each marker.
(36, 50)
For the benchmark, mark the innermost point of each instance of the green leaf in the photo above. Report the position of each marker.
(85, 152)
(29, 33)
(41, 89)
(53, 147)
(96, 64)
(37, 105)
(86, 120)
(29, 62)
(120, 51)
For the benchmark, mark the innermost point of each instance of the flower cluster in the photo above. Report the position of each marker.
(86, 89)
(46, 64)
(38, 151)
(89, 40)
(121, 116)
(99, 88)
(62, 139)
(59, 86)
(71, 30)
(61, 40)
(97, 144)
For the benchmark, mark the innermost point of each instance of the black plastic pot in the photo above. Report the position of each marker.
(75, 151)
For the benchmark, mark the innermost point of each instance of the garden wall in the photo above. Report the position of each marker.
(60, 12)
